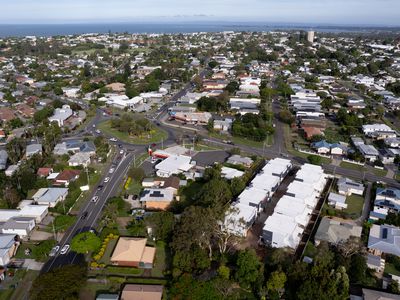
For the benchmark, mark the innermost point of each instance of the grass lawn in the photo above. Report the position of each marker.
(160, 261)
(397, 176)
(115, 270)
(379, 172)
(156, 136)
(310, 250)
(351, 166)
(390, 269)
(134, 188)
(355, 205)
(107, 254)
(242, 141)
(17, 286)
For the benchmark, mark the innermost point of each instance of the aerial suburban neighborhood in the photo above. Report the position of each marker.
(233, 164)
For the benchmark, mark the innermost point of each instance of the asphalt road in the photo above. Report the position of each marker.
(89, 215)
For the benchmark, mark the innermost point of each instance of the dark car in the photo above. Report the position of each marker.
(100, 187)
(84, 216)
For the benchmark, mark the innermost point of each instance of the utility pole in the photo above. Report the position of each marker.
(54, 231)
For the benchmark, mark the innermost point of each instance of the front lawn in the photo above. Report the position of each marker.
(156, 135)
(351, 166)
(390, 269)
(105, 259)
(380, 172)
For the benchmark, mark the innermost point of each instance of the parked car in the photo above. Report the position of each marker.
(54, 251)
(65, 249)
(113, 139)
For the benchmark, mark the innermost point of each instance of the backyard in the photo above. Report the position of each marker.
(355, 205)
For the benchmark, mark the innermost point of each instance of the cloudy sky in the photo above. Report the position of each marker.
(364, 12)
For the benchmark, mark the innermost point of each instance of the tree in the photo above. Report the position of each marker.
(85, 242)
(41, 252)
(276, 282)
(60, 283)
(136, 173)
(162, 224)
(224, 272)
(212, 64)
(314, 159)
(286, 116)
(349, 247)
(63, 222)
(248, 268)
(15, 149)
(358, 269)
(393, 287)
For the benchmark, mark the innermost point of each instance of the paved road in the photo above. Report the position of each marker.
(91, 212)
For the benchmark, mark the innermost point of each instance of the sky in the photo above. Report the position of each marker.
(337, 12)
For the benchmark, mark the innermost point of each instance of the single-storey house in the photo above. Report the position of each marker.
(336, 200)
(80, 159)
(21, 226)
(335, 230)
(384, 239)
(157, 198)
(8, 248)
(141, 291)
(50, 196)
(348, 187)
(133, 252)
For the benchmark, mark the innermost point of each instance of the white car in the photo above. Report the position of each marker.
(113, 139)
(98, 131)
(121, 151)
(95, 198)
(54, 251)
(111, 170)
(107, 179)
(65, 249)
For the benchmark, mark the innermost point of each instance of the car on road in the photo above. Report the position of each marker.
(54, 251)
(95, 198)
(107, 179)
(113, 140)
(65, 249)
(98, 131)
(100, 187)
(121, 151)
(84, 215)
(94, 125)
(111, 170)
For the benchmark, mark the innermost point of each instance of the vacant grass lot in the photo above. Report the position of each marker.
(355, 205)
(351, 166)
(156, 136)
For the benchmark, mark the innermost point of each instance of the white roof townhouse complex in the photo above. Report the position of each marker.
(252, 200)
(283, 229)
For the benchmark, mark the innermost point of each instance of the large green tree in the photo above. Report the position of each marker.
(85, 242)
(249, 268)
(60, 283)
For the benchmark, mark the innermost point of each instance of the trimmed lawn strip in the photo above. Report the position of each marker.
(379, 172)
(155, 137)
(390, 269)
(351, 166)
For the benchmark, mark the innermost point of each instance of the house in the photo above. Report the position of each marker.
(6, 114)
(392, 142)
(368, 294)
(336, 200)
(3, 159)
(375, 262)
(369, 152)
(80, 159)
(223, 125)
(373, 128)
(322, 147)
(174, 164)
(348, 187)
(8, 248)
(38, 212)
(50, 196)
(240, 218)
(74, 146)
(141, 291)
(11, 170)
(335, 231)
(66, 177)
(21, 226)
(133, 252)
(156, 198)
(61, 115)
(388, 198)
(172, 183)
(384, 239)
(44, 172)
(230, 173)
(33, 149)
(240, 160)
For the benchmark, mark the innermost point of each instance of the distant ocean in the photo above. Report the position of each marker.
(7, 30)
